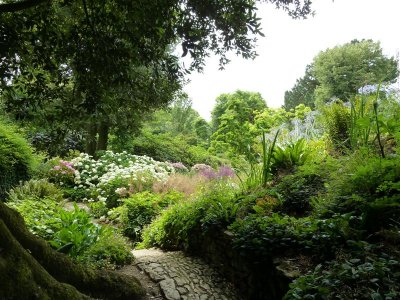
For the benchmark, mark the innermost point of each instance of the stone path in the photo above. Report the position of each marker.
(180, 277)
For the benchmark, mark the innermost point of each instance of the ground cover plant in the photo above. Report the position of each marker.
(68, 231)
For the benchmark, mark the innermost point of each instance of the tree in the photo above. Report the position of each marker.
(87, 63)
(339, 72)
(232, 117)
(243, 102)
(303, 91)
(95, 48)
(342, 70)
(202, 129)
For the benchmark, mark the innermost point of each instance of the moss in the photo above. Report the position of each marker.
(57, 266)
(22, 277)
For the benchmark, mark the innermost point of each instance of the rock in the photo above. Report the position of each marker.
(155, 276)
(182, 290)
(168, 288)
(183, 277)
(181, 281)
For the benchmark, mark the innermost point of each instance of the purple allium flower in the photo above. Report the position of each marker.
(208, 173)
(225, 171)
(178, 166)
(201, 167)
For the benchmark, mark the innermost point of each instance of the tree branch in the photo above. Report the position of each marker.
(20, 5)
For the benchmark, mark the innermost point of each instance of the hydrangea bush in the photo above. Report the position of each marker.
(63, 173)
(112, 176)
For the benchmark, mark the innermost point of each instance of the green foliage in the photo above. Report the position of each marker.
(245, 104)
(40, 215)
(269, 118)
(179, 119)
(141, 208)
(374, 178)
(297, 190)
(167, 147)
(55, 141)
(258, 237)
(175, 228)
(361, 120)
(342, 70)
(383, 213)
(260, 173)
(17, 160)
(35, 189)
(98, 209)
(267, 158)
(233, 116)
(126, 47)
(75, 232)
(337, 120)
(293, 154)
(110, 251)
(356, 277)
(303, 91)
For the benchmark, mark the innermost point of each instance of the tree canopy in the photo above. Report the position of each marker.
(303, 91)
(101, 64)
(340, 71)
(232, 117)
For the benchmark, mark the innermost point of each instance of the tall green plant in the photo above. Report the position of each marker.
(378, 132)
(360, 121)
(267, 158)
(337, 123)
(294, 154)
(260, 173)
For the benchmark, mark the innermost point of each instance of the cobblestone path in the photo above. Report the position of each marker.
(180, 277)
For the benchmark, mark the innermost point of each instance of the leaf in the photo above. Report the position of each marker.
(66, 248)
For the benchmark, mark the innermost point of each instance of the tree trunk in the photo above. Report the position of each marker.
(103, 131)
(31, 269)
(91, 138)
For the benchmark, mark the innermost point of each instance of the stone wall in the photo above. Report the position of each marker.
(255, 280)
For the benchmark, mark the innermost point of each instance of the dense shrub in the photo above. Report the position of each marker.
(40, 215)
(365, 277)
(215, 207)
(336, 119)
(72, 232)
(57, 143)
(375, 177)
(259, 237)
(141, 208)
(297, 190)
(17, 160)
(35, 189)
(167, 147)
(368, 187)
(110, 251)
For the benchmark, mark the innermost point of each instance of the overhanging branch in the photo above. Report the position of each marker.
(20, 5)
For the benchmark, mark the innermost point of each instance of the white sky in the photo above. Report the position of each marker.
(289, 45)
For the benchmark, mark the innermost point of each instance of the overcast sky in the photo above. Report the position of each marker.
(289, 45)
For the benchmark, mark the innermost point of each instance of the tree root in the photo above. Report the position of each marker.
(29, 266)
